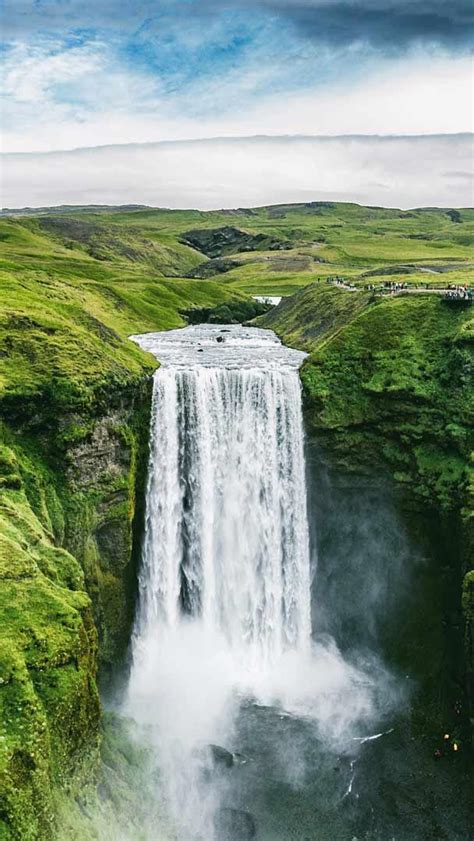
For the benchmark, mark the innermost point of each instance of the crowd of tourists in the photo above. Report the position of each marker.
(391, 286)
(457, 292)
(452, 292)
(341, 281)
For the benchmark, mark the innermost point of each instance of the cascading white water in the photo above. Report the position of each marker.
(225, 575)
(224, 604)
(226, 534)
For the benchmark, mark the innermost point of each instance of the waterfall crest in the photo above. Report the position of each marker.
(226, 534)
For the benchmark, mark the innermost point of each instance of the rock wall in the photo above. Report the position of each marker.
(70, 509)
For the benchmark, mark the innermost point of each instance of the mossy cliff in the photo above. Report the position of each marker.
(388, 393)
(68, 512)
(74, 416)
(48, 655)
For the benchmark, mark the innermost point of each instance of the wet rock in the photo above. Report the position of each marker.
(240, 759)
(235, 825)
(221, 756)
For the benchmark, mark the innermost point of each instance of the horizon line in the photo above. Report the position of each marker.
(251, 137)
(7, 211)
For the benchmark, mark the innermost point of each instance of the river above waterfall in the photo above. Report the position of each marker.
(231, 347)
(260, 726)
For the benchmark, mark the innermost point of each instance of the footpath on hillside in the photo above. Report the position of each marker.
(455, 292)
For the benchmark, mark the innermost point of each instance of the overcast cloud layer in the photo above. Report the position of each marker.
(393, 172)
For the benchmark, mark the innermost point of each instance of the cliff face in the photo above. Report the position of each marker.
(68, 513)
(104, 474)
(388, 393)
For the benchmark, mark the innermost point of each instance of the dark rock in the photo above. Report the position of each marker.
(219, 242)
(240, 759)
(211, 268)
(235, 825)
(221, 756)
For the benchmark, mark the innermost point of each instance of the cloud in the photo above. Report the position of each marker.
(390, 24)
(391, 171)
(88, 73)
(401, 99)
(30, 74)
(387, 24)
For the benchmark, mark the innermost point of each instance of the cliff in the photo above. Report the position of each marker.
(389, 402)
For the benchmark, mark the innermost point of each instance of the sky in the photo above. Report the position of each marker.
(79, 73)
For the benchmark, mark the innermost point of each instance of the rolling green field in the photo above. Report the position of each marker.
(76, 283)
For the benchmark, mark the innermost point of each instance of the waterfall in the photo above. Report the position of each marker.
(224, 584)
(226, 534)
(223, 628)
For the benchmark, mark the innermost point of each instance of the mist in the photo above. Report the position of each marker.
(430, 170)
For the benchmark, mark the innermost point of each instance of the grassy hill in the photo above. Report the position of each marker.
(77, 282)
(388, 396)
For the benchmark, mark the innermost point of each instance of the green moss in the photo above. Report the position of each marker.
(125, 802)
(394, 372)
(48, 701)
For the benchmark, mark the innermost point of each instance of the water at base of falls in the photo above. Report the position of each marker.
(223, 626)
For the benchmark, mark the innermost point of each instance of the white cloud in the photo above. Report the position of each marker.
(396, 172)
(117, 106)
(31, 73)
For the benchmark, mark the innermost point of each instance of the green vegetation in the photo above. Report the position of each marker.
(389, 378)
(49, 703)
(75, 397)
(124, 803)
(386, 384)
(233, 312)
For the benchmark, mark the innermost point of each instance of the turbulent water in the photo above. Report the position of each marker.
(223, 653)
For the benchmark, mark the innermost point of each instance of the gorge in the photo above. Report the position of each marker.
(271, 608)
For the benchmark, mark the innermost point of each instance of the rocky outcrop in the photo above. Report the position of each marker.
(70, 521)
(219, 242)
(211, 268)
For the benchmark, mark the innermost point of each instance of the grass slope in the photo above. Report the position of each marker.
(66, 316)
